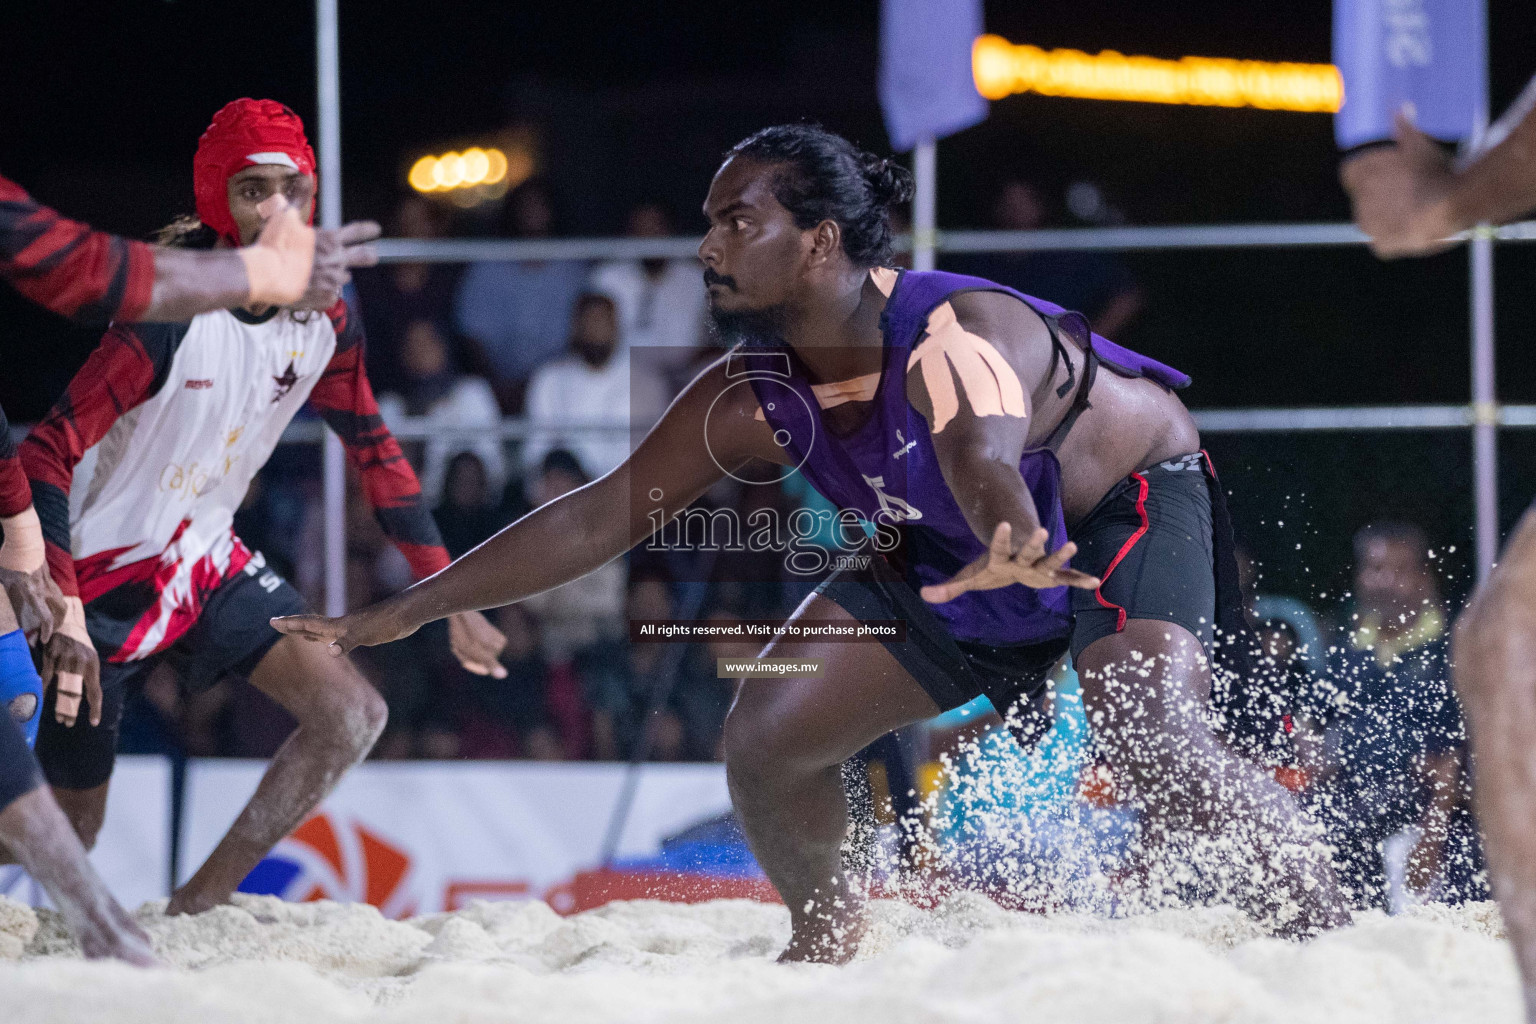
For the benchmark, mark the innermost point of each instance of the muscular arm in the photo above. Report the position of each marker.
(585, 529)
(980, 442)
(971, 379)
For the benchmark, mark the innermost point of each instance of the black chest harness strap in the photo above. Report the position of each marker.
(1080, 403)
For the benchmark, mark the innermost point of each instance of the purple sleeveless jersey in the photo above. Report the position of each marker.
(887, 469)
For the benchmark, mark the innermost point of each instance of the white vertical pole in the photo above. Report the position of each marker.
(925, 201)
(1485, 452)
(334, 480)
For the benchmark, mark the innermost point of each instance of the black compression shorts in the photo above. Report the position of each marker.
(230, 638)
(953, 672)
(1150, 541)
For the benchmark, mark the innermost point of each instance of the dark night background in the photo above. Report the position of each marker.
(103, 104)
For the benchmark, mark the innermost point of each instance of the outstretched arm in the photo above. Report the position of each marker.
(92, 277)
(1411, 197)
(971, 378)
(344, 399)
(289, 265)
(692, 447)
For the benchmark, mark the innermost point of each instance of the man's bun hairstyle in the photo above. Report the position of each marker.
(822, 176)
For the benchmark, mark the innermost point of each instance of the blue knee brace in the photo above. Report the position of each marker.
(21, 688)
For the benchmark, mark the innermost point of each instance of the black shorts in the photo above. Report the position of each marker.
(953, 672)
(229, 638)
(1150, 540)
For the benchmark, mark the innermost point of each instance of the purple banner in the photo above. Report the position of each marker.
(926, 87)
(1429, 53)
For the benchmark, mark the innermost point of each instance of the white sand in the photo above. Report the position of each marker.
(268, 961)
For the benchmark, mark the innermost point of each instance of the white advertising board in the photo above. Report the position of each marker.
(417, 837)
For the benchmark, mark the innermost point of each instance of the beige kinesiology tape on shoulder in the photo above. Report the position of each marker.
(991, 386)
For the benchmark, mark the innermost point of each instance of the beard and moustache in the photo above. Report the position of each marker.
(749, 328)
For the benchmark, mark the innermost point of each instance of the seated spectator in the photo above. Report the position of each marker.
(468, 513)
(596, 385)
(1395, 750)
(1093, 283)
(660, 302)
(432, 389)
(587, 611)
(515, 315)
(392, 297)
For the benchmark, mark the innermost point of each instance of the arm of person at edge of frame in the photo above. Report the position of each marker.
(289, 264)
(979, 453)
(580, 531)
(1411, 197)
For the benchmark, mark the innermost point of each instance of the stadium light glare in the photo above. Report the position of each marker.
(1001, 69)
(489, 170)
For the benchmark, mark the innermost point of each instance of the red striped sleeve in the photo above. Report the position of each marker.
(85, 275)
(344, 399)
(15, 494)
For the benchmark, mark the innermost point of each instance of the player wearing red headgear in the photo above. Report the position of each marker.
(159, 436)
(92, 277)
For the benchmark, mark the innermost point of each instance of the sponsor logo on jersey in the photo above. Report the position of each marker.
(199, 384)
(284, 383)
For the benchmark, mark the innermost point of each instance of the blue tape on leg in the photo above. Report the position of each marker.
(21, 688)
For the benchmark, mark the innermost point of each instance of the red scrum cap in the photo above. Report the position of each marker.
(245, 133)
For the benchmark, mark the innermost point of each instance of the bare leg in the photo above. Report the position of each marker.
(1494, 665)
(785, 742)
(36, 832)
(340, 716)
(1146, 691)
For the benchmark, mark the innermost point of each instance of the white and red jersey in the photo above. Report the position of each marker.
(138, 470)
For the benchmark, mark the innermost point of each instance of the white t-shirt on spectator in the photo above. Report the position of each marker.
(666, 312)
(469, 403)
(568, 392)
(583, 612)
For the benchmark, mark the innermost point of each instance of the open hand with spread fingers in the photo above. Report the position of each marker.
(475, 642)
(1032, 565)
(337, 252)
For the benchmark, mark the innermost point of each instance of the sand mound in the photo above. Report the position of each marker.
(263, 960)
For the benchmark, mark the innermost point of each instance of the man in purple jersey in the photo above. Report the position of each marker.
(974, 429)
